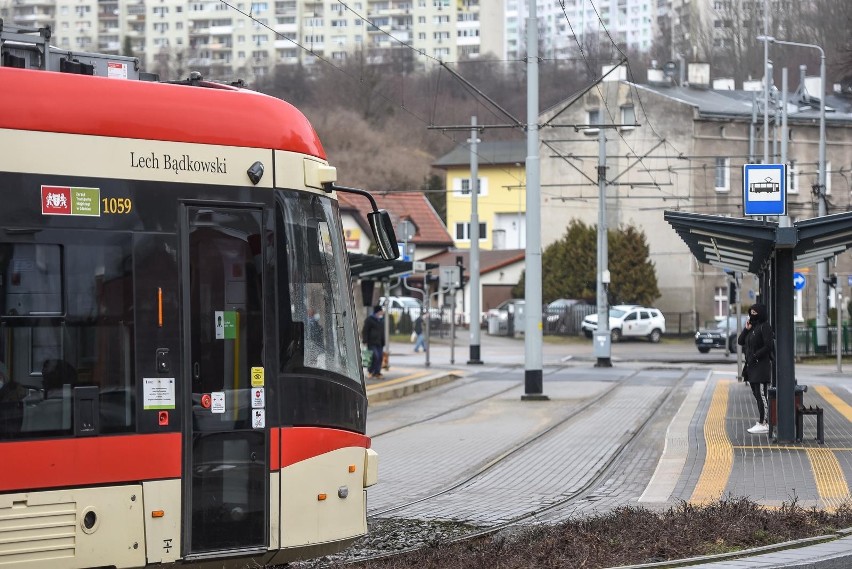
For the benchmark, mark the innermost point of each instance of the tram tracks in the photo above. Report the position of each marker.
(385, 520)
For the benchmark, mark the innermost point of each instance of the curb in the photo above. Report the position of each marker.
(406, 385)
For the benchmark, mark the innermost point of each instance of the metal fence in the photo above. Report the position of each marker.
(805, 341)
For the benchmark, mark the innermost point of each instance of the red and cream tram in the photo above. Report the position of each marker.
(179, 367)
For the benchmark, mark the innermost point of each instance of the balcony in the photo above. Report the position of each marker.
(19, 3)
(286, 28)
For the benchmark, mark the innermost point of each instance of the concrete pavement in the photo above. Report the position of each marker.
(701, 450)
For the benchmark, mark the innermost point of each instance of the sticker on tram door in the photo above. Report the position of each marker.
(258, 398)
(258, 419)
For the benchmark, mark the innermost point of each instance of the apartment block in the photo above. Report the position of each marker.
(249, 38)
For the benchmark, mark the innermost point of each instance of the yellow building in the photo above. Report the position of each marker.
(501, 204)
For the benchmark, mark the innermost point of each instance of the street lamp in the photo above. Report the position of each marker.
(822, 268)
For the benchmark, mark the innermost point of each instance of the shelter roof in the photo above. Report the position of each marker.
(747, 245)
(373, 267)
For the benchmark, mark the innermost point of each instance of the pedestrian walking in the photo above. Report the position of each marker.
(373, 335)
(420, 341)
(758, 342)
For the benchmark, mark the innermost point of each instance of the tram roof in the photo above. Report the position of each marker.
(206, 113)
(747, 245)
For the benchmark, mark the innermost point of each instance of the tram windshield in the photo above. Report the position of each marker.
(319, 332)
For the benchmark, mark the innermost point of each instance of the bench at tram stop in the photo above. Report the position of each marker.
(801, 411)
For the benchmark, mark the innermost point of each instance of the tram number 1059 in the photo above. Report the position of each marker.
(117, 205)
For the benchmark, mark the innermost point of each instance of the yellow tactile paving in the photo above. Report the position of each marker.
(839, 404)
(398, 380)
(830, 481)
(720, 454)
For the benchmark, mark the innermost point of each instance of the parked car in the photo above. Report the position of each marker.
(556, 315)
(629, 321)
(715, 336)
(565, 315)
(402, 310)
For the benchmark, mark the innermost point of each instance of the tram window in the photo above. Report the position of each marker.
(68, 324)
(30, 276)
(318, 329)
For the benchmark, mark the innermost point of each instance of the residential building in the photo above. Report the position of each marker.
(430, 236)
(501, 201)
(248, 38)
(564, 25)
(687, 154)
(499, 272)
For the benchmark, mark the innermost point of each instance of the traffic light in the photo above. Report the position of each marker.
(733, 297)
(460, 265)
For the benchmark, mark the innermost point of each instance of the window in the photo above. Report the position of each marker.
(463, 231)
(593, 118)
(792, 178)
(723, 175)
(311, 263)
(66, 321)
(628, 116)
(827, 178)
(461, 186)
(720, 302)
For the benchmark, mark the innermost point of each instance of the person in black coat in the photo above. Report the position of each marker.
(758, 342)
(373, 334)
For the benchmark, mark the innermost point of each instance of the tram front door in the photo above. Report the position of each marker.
(226, 470)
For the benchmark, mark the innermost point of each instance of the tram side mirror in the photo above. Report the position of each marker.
(384, 234)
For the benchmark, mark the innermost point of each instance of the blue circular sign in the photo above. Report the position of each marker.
(798, 281)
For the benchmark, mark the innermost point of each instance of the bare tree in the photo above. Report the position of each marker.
(826, 23)
(170, 63)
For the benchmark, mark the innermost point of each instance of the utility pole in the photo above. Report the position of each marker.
(602, 348)
(766, 83)
(533, 376)
(819, 189)
(822, 268)
(474, 317)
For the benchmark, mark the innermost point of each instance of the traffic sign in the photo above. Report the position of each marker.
(798, 281)
(449, 277)
(764, 189)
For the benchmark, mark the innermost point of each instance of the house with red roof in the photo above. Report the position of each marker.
(499, 271)
(430, 233)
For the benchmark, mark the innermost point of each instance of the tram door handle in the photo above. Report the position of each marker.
(196, 371)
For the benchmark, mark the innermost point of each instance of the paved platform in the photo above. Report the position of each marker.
(694, 446)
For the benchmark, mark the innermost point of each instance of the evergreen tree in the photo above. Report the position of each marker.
(433, 187)
(569, 266)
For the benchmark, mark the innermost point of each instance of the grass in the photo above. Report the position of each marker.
(630, 535)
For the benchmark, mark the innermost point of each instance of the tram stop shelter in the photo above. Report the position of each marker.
(372, 268)
(771, 252)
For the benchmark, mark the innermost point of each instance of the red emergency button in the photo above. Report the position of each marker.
(163, 418)
(206, 401)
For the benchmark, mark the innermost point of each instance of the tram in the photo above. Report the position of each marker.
(180, 378)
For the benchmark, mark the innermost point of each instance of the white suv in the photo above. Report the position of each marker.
(629, 321)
